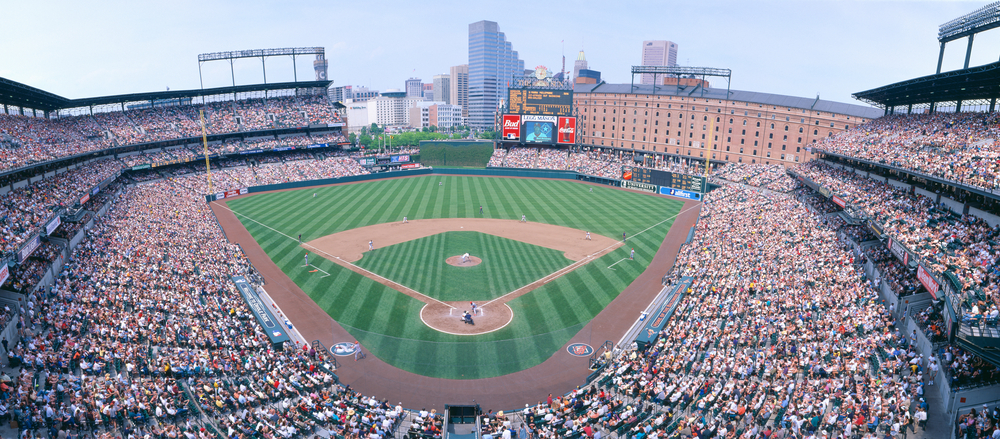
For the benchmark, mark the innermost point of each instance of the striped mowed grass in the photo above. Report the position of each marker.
(387, 322)
(507, 265)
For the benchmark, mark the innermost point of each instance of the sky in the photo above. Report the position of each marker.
(799, 48)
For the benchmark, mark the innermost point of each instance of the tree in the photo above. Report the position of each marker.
(353, 138)
(375, 129)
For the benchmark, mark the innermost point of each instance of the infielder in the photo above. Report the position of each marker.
(404, 220)
(524, 219)
(371, 245)
(588, 236)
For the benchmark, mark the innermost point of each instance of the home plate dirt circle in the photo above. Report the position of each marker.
(458, 262)
(446, 317)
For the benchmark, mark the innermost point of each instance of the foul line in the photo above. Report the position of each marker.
(616, 263)
(591, 256)
(320, 269)
(316, 250)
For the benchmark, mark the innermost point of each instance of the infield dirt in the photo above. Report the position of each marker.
(345, 248)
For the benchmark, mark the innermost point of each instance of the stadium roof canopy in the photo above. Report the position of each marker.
(814, 104)
(13, 93)
(974, 83)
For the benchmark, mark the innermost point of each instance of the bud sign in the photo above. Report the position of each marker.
(511, 127)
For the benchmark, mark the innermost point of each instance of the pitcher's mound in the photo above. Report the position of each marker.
(457, 261)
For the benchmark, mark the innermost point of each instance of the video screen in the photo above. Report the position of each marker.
(538, 132)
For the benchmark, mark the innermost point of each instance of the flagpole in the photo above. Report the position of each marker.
(204, 141)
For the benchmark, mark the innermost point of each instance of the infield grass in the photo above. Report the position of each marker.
(507, 265)
(387, 322)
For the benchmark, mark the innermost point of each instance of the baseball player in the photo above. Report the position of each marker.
(473, 305)
(314, 194)
(524, 219)
(592, 189)
(371, 245)
(357, 350)
(300, 239)
(632, 255)
(480, 209)
(307, 259)
(588, 236)
(404, 220)
(623, 237)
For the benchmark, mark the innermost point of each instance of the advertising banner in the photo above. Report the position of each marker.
(28, 249)
(511, 127)
(897, 249)
(252, 151)
(411, 166)
(53, 225)
(687, 195)
(4, 273)
(567, 130)
(85, 199)
(283, 148)
(927, 280)
(220, 196)
(645, 187)
(140, 167)
(232, 193)
(400, 158)
(318, 145)
(839, 201)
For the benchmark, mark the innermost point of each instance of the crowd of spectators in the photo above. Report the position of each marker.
(25, 140)
(143, 331)
(778, 332)
(961, 147)
(521, 157)
(598, 163)
(772, 177)
(962, 247)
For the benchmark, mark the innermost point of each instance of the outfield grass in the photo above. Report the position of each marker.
(507, 265)
(387, 322)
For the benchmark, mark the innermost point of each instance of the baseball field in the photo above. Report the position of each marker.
(536, 283)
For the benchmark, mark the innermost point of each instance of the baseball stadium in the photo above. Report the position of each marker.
(227, 263)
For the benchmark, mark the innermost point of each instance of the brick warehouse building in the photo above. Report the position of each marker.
(749, 127)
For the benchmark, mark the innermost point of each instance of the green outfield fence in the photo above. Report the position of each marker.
(455, 153)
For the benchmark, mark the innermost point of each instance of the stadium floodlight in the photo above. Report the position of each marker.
(983, 19)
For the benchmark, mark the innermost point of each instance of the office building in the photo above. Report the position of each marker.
(657, 53)
(579, 64)
(414, 88)
(493, 64)
(442, 88)
(460, 88)
(437, 114)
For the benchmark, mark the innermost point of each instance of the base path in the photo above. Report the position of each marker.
(557, 375)
(345, 248)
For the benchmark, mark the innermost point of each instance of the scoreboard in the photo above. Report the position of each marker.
(684, 182)
(540, 102)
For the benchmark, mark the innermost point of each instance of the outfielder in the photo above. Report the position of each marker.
(371, 245)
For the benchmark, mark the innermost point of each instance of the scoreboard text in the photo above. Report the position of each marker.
(540, 102)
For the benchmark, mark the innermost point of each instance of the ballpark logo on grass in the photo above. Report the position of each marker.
(580, 350)
(342, 349)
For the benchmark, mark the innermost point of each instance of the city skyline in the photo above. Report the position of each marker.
(792, 48)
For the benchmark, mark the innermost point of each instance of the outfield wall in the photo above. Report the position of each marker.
(485, 172)
(455, 153)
